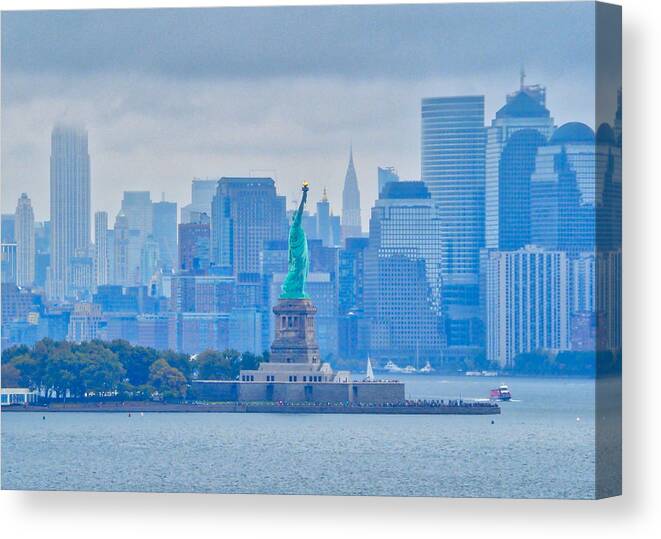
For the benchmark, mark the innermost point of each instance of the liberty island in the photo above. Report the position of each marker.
(295, 373)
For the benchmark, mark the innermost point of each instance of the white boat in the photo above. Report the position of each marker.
(427, 369)
(481, 373)
(392, 367)
(409, 369)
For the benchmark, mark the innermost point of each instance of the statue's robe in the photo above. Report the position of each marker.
(299, 261)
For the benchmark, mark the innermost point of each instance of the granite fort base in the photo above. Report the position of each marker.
(321, 392)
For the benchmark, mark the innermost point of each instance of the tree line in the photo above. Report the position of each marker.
(568, 363)
(116, 369)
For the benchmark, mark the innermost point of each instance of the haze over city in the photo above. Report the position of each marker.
(166, 96)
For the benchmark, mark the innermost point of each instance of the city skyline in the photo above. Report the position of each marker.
(248, 218)
(155, 126)
(497, 173)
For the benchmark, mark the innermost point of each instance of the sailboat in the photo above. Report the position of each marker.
(369, 375)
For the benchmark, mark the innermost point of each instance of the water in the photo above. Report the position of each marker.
(536, 448)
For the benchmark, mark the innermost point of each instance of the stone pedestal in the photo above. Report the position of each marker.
(295, 339)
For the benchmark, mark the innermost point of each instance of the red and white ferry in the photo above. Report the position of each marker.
(501, 393)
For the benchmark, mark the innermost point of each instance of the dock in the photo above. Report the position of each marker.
(458, 408)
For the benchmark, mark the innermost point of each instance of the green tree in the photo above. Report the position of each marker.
(178, 361)
(102, 372)
(168, 381)
(14, 351)
(31, 370)
(10, 376)
(62, 372)
(215, 365)
(136, 360)
(249, 361)
(535, 363)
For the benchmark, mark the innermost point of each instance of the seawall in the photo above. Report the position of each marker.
(260, 408)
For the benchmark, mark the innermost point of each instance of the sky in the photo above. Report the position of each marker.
(168, 95)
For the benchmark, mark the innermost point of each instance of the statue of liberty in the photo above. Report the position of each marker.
(299, 261)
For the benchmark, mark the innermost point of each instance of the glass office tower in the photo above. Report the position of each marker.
(453, 169)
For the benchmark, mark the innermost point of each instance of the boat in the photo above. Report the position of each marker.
(501, 393)
(409, 369)
(369, 372)
(427, 369)
(392, 367)
(481, 373)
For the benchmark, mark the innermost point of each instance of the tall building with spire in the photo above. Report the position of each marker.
(324, 232)
(521, 126)
(69, 207)
(25, 251)
(351, 225)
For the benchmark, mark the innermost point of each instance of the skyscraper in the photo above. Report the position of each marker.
(121, 251)
(246, 213)
(8, 258)
(510, 162)
(25, 249)
(138, 210)
(42, 252)
(164, 230)
(527, 303)
(8, 228)
(202, 193)
(517, 164)
(69, 206)
(149, 259)
(194, 245)
(351, 224)
(324, 231)
(137, 207)
(353, 334)
(386, 175)
(453, 168)
(402, 273)
(563, 191)
(101, 261)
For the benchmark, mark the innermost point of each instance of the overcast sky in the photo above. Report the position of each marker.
(169, 95)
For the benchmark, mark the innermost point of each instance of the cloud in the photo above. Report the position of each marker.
(168, 95)
(401, 41)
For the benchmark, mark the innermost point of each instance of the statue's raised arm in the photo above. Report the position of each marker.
(298, 216)
(298, 260)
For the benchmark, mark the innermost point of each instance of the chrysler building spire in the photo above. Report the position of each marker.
(351, 226)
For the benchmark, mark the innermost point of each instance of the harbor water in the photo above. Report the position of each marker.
(541, 446)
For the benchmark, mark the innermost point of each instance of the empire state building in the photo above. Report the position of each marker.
(351, 226)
